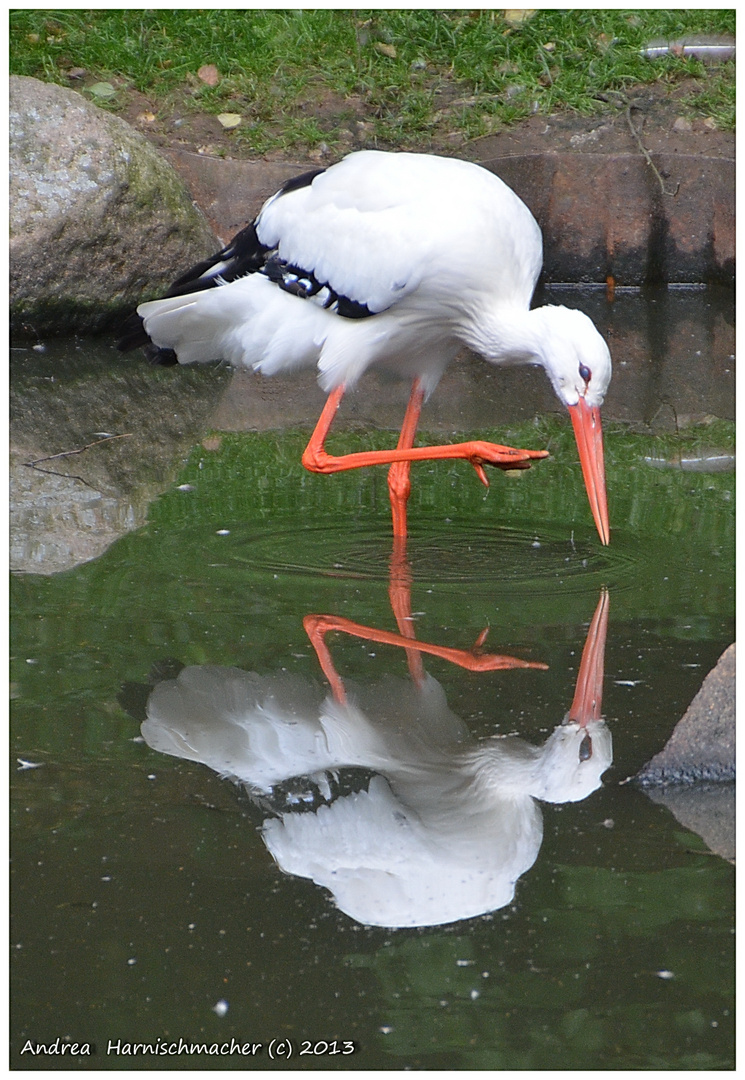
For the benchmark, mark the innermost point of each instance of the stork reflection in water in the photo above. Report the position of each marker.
(444, 825)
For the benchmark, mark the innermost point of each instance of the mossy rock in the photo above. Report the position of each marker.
(99, 220)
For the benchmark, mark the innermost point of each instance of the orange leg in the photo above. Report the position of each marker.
(399, 593)
(479, 453)
(316, 629)
(317, 626)
(399, 474)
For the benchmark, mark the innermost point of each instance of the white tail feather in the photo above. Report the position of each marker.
(248, 323)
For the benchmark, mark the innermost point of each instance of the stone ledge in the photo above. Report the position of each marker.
(601, 214)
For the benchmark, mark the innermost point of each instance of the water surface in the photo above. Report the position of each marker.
(147, 904)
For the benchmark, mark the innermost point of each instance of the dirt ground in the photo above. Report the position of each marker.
(655, 117)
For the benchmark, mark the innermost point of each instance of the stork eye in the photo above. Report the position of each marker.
(585, 749)
(585, 373)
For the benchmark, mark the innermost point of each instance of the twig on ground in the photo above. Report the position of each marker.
(645, 152)
(70, 453)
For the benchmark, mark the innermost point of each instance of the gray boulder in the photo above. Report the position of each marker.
(702, 746)
(99, 220)
(694, 774)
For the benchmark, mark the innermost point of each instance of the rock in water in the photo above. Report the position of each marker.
(702, 746)
(99, 220)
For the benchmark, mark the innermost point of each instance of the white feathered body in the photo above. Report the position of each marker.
(427, 244)
(446, 825)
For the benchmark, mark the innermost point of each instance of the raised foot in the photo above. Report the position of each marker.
(481, 453)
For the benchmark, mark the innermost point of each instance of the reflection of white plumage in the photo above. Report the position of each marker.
(447, 824)
(394, 260)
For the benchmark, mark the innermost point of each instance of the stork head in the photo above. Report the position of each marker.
(577, 362)
(576, 359)
(575, 356)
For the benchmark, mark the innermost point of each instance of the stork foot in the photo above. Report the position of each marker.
(481, 453)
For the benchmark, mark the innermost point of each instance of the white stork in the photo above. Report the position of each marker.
(398, 260)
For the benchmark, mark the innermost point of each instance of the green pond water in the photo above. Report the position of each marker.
(146, 904)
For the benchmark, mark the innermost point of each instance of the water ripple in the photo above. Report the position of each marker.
(449, 553)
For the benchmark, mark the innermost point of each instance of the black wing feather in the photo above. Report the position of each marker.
(245, 254)
(295, 182)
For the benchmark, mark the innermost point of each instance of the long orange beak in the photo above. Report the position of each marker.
(588, 432)
(588, 695)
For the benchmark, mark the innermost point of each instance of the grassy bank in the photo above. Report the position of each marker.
(402, 77)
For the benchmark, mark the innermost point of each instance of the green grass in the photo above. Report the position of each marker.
(410, 73)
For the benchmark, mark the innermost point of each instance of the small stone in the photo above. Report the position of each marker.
(583, 138)
(386, 49)
(209, 74)
(682, 124)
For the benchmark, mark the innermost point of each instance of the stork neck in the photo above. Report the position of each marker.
(509, 335)
(504, 767)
